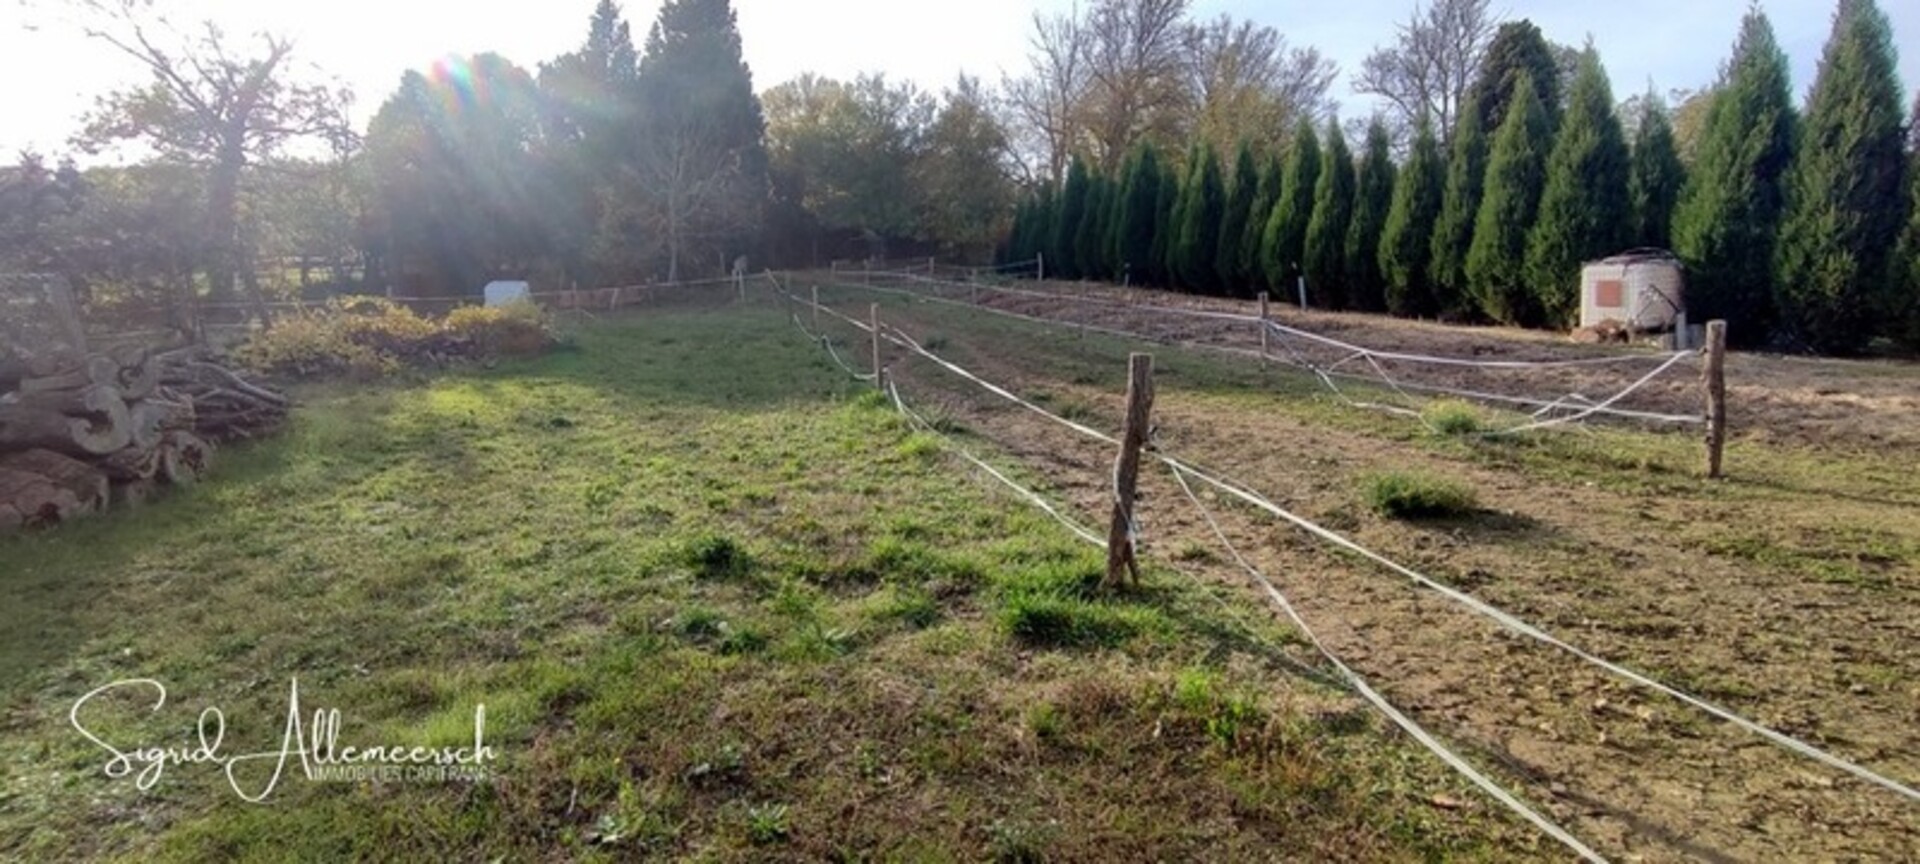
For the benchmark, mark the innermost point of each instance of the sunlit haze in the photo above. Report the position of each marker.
(54, 73)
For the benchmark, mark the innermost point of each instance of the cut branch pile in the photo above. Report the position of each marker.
(80, 432)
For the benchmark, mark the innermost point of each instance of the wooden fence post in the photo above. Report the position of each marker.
(1041, 263)
(1715, 373)
(816, 307)
(873, 320)
(1126, 470)
(1263, 325)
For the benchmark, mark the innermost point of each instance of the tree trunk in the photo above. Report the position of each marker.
(223, 197)
(90, 422)
(87, 486)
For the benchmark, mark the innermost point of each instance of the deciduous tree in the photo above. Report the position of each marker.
(210, 101)
(1435, 57)
(1248, 85)
(701, 186)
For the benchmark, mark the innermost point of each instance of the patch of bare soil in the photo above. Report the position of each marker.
(1640, 577)
(1864, 404)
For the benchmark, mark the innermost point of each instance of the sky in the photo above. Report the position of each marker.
(53, 73)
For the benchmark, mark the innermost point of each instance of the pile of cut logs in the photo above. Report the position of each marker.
(80, 432)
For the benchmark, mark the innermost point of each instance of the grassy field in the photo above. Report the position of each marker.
(1784, 592)
(718, 604)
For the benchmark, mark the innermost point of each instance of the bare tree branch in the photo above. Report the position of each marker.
(1427, 71)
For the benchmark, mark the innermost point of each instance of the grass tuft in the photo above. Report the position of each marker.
(716, 556)
(1406, 495)
(1453, 418)
(1056, 605)
(768, 823)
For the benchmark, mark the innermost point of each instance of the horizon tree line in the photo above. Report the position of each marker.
(1801, 228)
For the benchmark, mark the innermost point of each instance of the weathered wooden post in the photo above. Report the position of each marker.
(1126, 470)
(816, 307)
(1715, 373)
(1263, 325)
(1303, 291)
(1041, 261)
(873, 320)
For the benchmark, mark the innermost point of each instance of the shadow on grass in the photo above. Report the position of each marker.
(57, 586)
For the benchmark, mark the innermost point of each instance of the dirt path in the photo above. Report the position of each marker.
(1627, 575)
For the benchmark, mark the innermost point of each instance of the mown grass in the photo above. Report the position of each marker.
(717, 605)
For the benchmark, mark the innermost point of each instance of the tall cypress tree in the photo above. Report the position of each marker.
(1844, 192)
(1653, 183)
(1139, 195)
(1063, 252)
(1324, 256)
(1460, 206)
(1166, 204)
(1729, 215)
(1228, 262)
(1015, 248)
(1089, 248)
(1196, 236)
(1406, 243)
(1040, 240)
(1904, 312)
(1518, 49)
(1265, 195)
(1583, 209)
(1372, 198)
(1515, 174)
(1283, 242)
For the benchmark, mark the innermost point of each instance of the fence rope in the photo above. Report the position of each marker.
(1470, 602)
(1366, 691)
(1516, 625)
(828, 344)
(1325, 375)
(1353, 679)
(1030, 495)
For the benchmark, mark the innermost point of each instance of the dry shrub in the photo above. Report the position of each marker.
(513, 330)
(367, 337)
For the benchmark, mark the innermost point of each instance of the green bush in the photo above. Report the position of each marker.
(1401, 495)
